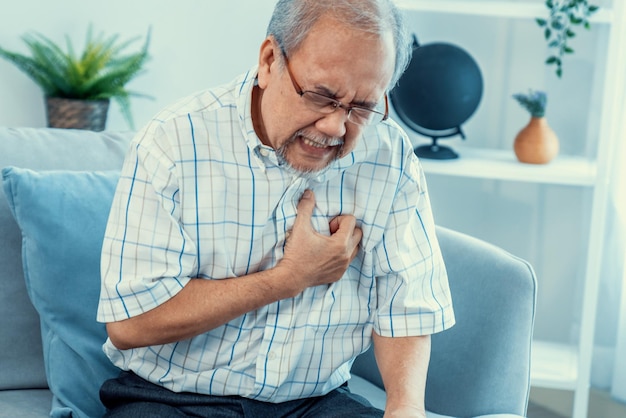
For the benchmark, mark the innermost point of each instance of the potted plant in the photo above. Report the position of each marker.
(558, 28)
(78, 88)
(536, 143)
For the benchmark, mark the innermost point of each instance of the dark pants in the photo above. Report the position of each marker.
(133, 397)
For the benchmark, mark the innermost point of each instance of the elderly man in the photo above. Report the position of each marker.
(266, 232)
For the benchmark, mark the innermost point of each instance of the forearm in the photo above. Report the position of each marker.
(403, 364)
(201, 306)
(310, 259)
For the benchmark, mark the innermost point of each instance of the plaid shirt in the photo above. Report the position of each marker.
(200, 196)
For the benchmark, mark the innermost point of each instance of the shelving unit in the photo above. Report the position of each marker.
(555, 366)
(494, 8)
(502, 165)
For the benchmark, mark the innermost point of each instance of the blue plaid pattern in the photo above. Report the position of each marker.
(200, 196)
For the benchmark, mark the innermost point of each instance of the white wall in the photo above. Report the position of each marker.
(195, 44)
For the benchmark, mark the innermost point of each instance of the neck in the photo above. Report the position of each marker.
(257, 118)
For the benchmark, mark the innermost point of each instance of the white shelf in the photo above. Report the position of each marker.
(554, 366)
(507, 9)
(503, 165)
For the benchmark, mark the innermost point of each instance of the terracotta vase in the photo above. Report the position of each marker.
(536, 143)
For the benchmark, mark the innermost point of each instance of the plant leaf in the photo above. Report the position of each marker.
(547, 33)
(575, 20)
(552, 60)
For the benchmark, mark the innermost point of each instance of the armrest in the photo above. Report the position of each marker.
(481, 365)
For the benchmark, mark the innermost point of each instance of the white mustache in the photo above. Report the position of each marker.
(320, 140)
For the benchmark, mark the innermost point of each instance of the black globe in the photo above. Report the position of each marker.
(440, 89)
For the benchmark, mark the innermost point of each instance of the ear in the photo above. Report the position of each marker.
(267, 60)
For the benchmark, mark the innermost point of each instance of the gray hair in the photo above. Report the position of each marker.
(293, 19)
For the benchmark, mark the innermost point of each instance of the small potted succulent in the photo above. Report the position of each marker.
(536, 143)
(78, 88)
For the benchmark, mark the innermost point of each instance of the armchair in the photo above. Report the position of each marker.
(481, 366)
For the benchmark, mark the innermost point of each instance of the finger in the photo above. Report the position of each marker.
(345, 223)
(305, 209)
(344, 228)
(357, 234)
(355, 239)
(355, 251)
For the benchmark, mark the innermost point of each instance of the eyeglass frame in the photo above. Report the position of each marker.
(336, 104)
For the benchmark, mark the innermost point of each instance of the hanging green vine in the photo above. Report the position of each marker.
(559, 27)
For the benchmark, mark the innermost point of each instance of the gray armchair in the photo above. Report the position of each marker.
(481, 366)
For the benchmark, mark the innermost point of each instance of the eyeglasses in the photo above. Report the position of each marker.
(326, 105)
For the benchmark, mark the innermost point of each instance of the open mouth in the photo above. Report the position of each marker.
(321, 142)
(314, 156)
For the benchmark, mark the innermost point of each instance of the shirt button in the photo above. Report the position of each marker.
(271, 356)
(264, 152)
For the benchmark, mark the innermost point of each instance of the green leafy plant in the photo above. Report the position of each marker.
(535, 102)
(100, 72)
(559, 27)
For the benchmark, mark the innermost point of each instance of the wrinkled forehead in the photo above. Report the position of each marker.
(346, 62)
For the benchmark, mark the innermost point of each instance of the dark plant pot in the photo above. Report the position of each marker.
(77, 114)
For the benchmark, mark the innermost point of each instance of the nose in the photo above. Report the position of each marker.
(333, 124)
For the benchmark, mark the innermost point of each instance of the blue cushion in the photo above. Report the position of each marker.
(62, 216)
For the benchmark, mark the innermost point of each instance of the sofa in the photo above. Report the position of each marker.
(57, 187)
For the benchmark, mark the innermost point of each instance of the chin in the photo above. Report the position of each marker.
(302, 170)
(306, 172)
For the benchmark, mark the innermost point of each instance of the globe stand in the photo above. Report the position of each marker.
(435, 151)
